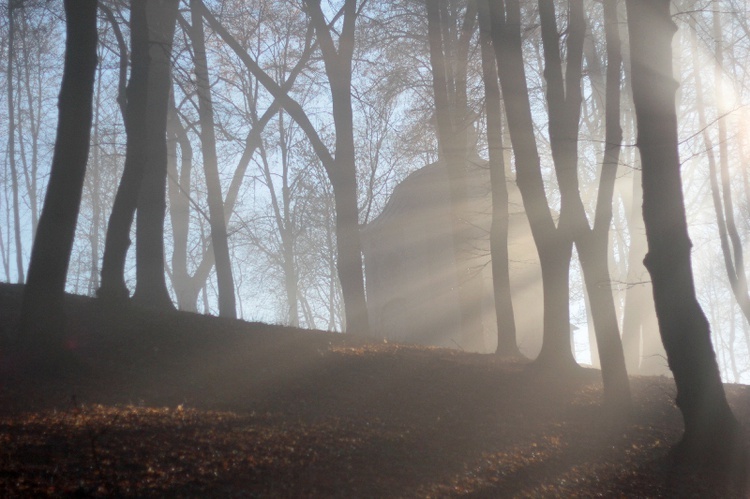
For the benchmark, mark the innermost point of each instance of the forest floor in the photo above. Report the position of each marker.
(182, 405)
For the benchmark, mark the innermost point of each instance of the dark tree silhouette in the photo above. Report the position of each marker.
(711, 431)
(143, 183)
(151, 286)
(42, 311)
(121, 218)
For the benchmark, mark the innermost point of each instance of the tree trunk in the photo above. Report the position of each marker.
(178, 190)
(593, 244)
(506, 325)
(227, 307)
(42, 312)
(343, 175)
(117, 240)
(448, 59)
(554, 246)
(711, 431)
(151, 287)
(11, 143)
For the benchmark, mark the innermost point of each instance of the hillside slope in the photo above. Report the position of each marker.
(182, 405)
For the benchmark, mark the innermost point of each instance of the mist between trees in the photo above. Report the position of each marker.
(326, 155)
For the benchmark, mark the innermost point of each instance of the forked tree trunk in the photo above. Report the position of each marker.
(711, 431)
(42, 313)
(553, 245)
(117, 239)
(593, 243)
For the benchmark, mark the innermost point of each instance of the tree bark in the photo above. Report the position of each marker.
(711, 431)
(42, 312)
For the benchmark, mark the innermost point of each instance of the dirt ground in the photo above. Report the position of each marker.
(182, 405)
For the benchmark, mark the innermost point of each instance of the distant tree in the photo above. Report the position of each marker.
(449, 47)
(186, 284)
(42, 311)
(340, 166)
(711, 431)
(12, 6)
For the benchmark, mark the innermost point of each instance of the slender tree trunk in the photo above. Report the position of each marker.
(225, 281)
(117, 239)
(151, 287)
(506, 325)
(179, 209)
(42, 311)
(95, 186)
(31, 169)
(711, 431)
(12, 5)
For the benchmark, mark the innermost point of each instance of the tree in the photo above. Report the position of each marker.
(343, 172)
(42, 310)
(143, 184)
(711, 431)
(12, 6)
(340, 168)
(506, 326)
(151, 287)
(224, 278)
(123, 210)
(554, 243)
(448, 58)
(564, 103)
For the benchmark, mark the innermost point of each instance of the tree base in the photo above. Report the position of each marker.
(721, 451)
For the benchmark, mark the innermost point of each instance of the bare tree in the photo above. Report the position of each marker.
(224, 278)
(42, 311)
(711, 431)
(506, 326)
